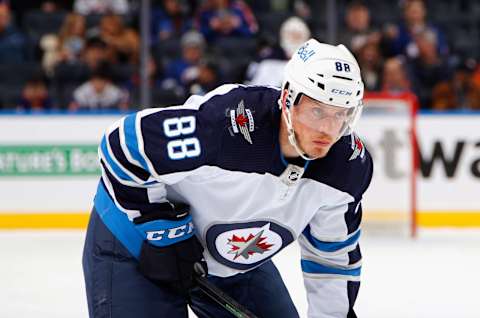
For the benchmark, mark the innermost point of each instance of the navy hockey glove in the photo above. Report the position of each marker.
(171, 248)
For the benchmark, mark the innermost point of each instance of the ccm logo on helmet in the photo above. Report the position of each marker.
(341, 92)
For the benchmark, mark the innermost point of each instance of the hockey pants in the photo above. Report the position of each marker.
(115, 288)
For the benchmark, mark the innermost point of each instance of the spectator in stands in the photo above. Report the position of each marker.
(171, 21)
(68, 75)
(123, 43)
(67, 46)
(49, 44)
(208, 78)
(184, 70)
(395, 79)
(401, 37)
(429, 68)
(370, 61)
(298, 8)
(226, 18)
(49, 6)
(476, 74)
(461, 92)
(269, 69)
(293, 32)
(132, 84)
(99, 92)
(13, 44)
(35, 96)
(86, 7)
(358, 30)
(72, 37)
(94, 53)
(20, 8)
(303, 9)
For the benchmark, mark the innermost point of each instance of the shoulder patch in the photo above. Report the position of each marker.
(358, 148)
(241, 121)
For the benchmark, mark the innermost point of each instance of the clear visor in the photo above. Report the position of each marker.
(331, 120)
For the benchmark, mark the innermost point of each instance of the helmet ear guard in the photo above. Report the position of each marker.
(293, 97)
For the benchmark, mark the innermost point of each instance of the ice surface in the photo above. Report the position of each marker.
(435, 275)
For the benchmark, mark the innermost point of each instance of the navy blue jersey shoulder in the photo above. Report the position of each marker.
(176, 140)
(248, 124)
(236, 130)
(260, 100)
(347, 167)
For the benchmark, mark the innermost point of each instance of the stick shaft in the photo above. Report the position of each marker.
(224, 300)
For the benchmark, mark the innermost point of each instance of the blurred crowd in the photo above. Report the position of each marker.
(85, 54)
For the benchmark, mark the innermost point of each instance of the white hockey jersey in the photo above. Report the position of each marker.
(220, 154)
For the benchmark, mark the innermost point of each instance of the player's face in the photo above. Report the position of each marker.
(317, 126)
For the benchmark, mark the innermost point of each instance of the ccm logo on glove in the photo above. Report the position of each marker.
(173, 233)
(162, 232)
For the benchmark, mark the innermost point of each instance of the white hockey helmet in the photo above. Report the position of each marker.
(326, 73)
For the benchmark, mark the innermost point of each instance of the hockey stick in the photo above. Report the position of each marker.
(219, 296)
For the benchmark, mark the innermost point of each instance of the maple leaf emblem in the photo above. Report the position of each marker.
(241, 120)
(358, 143)
(357, 147)
(248, 246)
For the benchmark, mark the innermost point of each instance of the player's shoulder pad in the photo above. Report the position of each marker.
(230, 91)
(347, 167)
(214, 105)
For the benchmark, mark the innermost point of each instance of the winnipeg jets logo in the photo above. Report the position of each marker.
(241, 121)
(357, 147)
(248, 246)
(244, 245)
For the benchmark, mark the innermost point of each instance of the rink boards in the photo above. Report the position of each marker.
(49, 170)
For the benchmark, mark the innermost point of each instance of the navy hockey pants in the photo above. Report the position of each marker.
(115, 289)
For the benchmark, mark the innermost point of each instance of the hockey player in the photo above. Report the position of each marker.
(230, 179)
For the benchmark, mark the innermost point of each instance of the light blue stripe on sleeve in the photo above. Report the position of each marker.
(117, 222)
(315, 268)
(131, 235)
(116, 169)
(131, 140)
(330, 246)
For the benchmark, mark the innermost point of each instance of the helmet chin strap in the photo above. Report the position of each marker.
(287, 115)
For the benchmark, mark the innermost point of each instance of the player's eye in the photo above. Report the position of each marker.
(340, 115)
(318, 113)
